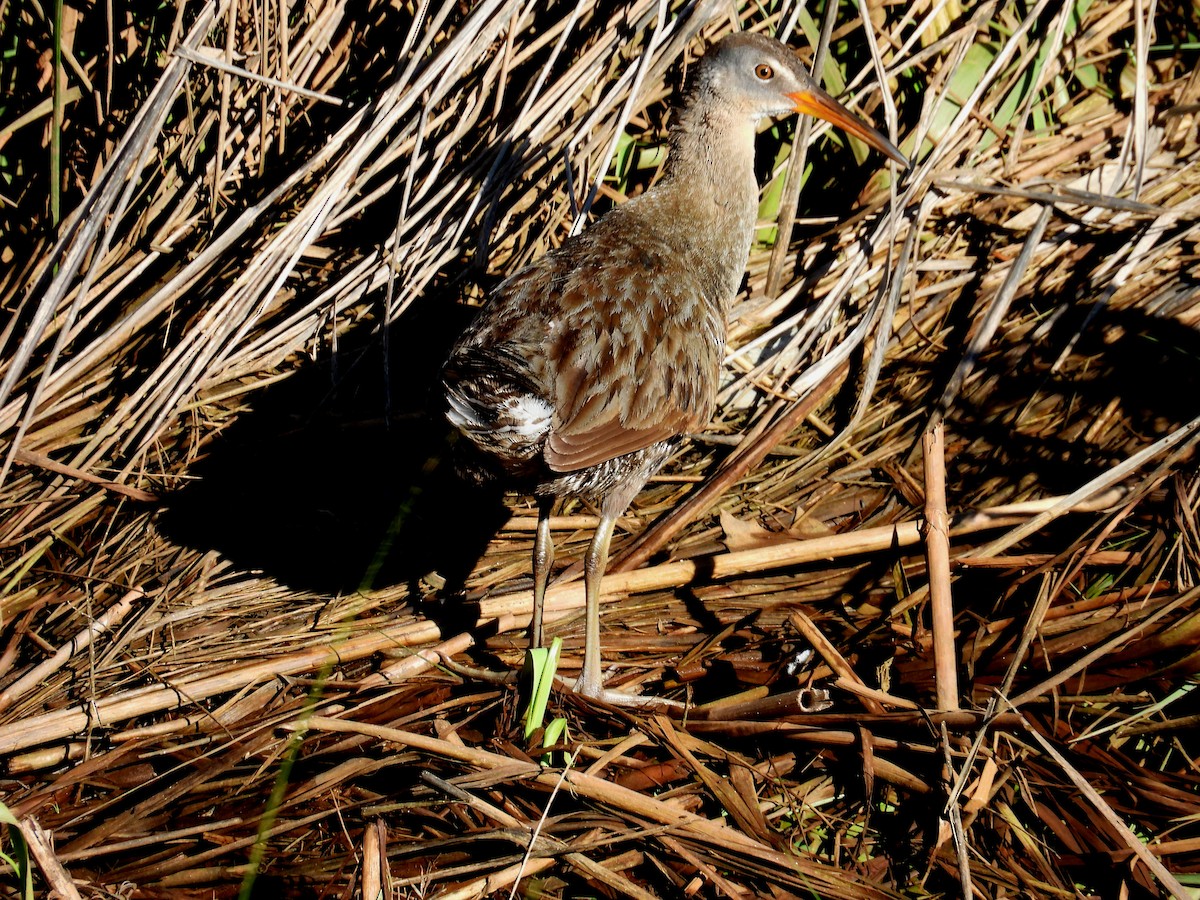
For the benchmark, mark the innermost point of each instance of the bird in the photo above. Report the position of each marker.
(585, 368)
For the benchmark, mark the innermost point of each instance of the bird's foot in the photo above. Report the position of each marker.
(487, 675)
(594, 689)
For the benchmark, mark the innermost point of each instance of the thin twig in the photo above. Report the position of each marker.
(206, 56)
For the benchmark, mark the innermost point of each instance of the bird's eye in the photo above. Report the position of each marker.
(764, 72)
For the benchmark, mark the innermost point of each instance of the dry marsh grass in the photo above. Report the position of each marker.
(233, 567)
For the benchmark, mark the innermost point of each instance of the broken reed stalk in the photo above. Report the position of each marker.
(937, 554)
(375, 872)
(833, 658)
(41, 848)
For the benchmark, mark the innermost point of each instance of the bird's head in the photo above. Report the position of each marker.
(757, 76)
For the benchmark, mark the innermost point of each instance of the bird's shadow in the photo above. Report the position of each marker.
(340, 477)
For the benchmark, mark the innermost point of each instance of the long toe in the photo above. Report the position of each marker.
(598, 692)
(470, 673)
(589, 686)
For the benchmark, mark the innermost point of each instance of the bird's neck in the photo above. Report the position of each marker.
(712, 153)
(710, 175)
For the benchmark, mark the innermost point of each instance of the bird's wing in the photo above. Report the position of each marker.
(636, 355)
(495, 385)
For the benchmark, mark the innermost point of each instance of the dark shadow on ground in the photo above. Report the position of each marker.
(322, 489)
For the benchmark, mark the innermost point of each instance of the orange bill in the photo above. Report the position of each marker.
(815, 102)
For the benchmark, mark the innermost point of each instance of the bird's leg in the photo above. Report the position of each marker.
(543, 562)
(590, 683)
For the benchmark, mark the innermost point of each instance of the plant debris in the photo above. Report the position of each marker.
(247, 611)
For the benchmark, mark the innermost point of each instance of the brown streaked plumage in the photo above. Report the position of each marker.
(585, 367)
